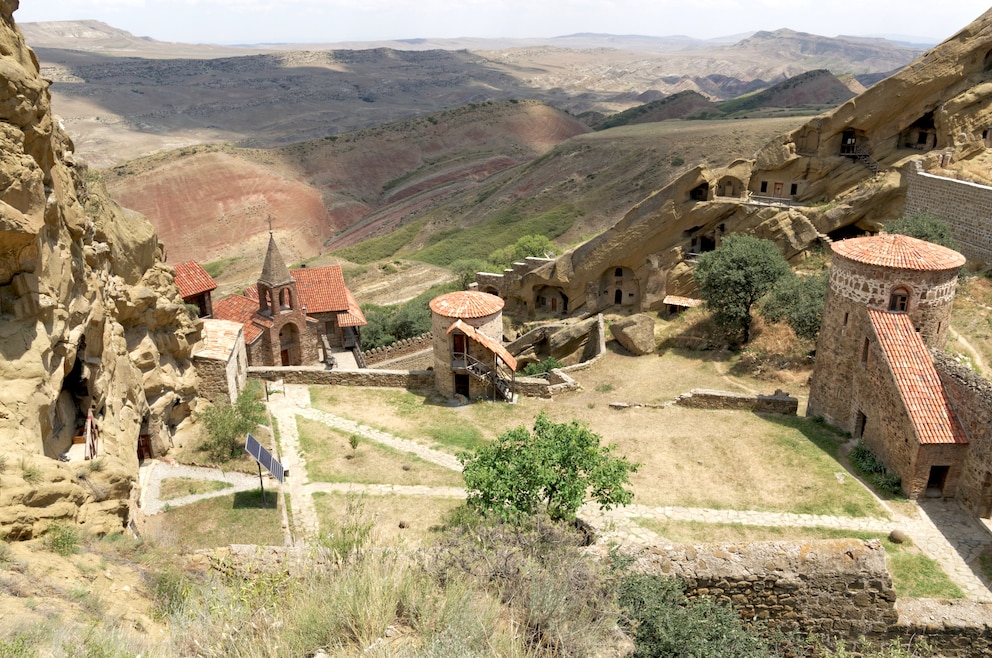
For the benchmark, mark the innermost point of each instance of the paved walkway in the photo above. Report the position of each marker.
(942, 530)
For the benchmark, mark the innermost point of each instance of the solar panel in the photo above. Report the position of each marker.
(265, 458)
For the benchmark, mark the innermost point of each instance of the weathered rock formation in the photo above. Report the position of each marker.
(842, 171)
(90, 321)
(635, 333)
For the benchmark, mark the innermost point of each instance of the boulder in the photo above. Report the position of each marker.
(635, 333)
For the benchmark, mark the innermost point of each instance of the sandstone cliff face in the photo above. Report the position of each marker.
(842, 169)
(90, 320)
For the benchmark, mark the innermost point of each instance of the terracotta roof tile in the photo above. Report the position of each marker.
(219, 339)
(489, 343)
(353, 317)
(243, 310)
(916, 377)
(899, 251)
(192, 279)
(466, 304)
(322, 289)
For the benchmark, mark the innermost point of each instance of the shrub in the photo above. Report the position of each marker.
(228, 424)
(799, 301)
(542, 367)
(867, 465)
(62, 538)
(925, 227)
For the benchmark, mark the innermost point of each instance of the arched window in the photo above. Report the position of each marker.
(899, 300)
(285, 298)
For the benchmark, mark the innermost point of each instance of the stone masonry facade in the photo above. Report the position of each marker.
(965, 206)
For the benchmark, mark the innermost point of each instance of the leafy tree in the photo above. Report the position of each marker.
(466, 268)
(554, 468)
(735, 276)
(798, 301)
(526, 245)
(925, 227)
(228, 424)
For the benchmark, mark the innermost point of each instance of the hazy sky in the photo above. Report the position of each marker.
(257, 21)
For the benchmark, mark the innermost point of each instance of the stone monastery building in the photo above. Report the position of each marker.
(888, 302)
(297, 317)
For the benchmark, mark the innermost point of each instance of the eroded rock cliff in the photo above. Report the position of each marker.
(842, 172)
(90, 321)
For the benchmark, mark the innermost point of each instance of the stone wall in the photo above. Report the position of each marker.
(965, 206)
(557, 382)
(411, 379)
(971, 398)
(779, 402)
(398, 349)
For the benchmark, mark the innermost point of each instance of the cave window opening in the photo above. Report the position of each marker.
(145, 440)
(67, 438)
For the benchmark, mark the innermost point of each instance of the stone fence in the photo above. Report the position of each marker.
(400, 348)
(410, 379)
(839, 589)
(965, 206)
(778, 403)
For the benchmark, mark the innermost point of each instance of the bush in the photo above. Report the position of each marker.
(923, 226)
(665, 624)
(799, 301)
(868, 466)
(542, 367)
(62, 538)
(228, 424)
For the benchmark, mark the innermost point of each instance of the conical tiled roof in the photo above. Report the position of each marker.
(899, 251)
(274, 271)
(465, 304)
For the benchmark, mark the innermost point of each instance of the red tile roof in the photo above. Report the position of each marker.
(899, 251)
(321, 289)
(353, 317)
(239, 308)
(466, 304)
(489, 343)
(192, 279)
(916, 377)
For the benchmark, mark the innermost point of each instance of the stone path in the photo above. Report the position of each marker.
(942, 530)
(153, 472)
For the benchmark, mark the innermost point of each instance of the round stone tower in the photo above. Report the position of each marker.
(888, 272)
(457, 320)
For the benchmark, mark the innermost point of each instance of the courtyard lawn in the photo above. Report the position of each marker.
(330, 458)
(690, 457)
(179, 487)
(236, 519)
(421, 515)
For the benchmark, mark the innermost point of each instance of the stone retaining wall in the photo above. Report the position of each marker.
(399, 348)
(411, 379)
(778, 403)
(965, 206)
(557, 382)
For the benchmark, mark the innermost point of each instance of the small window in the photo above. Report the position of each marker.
(864, 352)
(618, 272)
(846, 316)
(899, 300)
(764, 186)
(794, 189)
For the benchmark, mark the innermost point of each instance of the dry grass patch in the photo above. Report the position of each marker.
(420, 514)
(180, 487)
(972, 319)
(330, 458)
(913, 574)
(236, 519)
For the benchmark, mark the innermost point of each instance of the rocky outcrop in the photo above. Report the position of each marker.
(90, 321)
(843, 169)
(635, 333)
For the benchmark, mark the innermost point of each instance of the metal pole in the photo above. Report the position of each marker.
(261, 484)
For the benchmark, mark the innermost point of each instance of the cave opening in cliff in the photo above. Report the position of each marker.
(846, 232)
(700, 192)
(70, 411)
(921, 134)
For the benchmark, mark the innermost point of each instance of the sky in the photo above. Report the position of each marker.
(328, 21)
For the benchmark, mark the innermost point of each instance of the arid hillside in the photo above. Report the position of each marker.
(122, 97)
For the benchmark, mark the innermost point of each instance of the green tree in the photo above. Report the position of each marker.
(798, 301)
(556, 467)
(466, 268)
(925, 227)
(228, 424)
(526, 245)
(735, 276)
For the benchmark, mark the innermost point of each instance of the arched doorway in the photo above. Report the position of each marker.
(289, 345)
